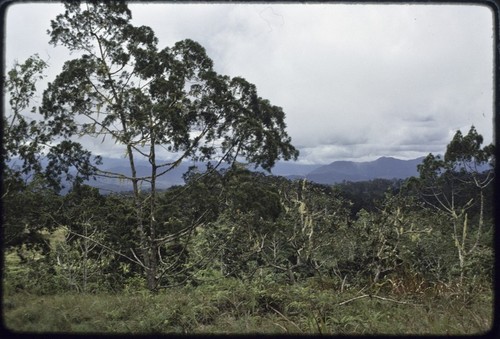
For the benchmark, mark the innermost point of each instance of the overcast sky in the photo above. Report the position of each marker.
(356, 81)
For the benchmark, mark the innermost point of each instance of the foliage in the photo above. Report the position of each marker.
(453, 185)
(28, 213)
(229, 280)
(231, 250)
(31, 148)
(80, 258)
(302, 230)
(231, 306)
(151, 100)
(367, 194)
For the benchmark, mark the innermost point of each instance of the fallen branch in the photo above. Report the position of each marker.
(378, 297)
(356, 298)
(283, 327)
(395, 301)
(281, 314)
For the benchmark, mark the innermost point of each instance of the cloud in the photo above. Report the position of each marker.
(356, 82)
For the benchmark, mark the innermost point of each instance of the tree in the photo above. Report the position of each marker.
(28, 214)
(30, 149)
(365, 194)
(455, 184)
(300, 243)
(152, 101)
(84, 222)
(242, 207)
(381, 243)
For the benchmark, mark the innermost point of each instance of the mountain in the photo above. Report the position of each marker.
(289, 168)
(337, 171)
(382, 168)
(174, 177)
(105, 185)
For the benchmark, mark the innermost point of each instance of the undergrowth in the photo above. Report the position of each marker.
(232, 306)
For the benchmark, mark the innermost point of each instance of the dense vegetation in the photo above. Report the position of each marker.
(231, 250)
(244, 252)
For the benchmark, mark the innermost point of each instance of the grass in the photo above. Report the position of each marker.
(230, 306)
(234, 307)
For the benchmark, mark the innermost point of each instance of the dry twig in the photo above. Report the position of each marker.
(377, 297)
(281, 314)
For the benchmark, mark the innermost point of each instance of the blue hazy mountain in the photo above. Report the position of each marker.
(382, 168)
(143, 169)
(174, 177)
(337, 171)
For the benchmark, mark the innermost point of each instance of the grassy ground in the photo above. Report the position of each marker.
(233, 307)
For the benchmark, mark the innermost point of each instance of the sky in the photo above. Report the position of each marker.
(356, 82)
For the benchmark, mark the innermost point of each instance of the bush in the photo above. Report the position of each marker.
(135, 284)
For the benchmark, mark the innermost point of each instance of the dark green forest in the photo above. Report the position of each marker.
(248, 226)
(255, 245)
(232, 250)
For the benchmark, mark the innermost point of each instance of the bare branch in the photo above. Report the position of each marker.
(108, 248)
(377, 297)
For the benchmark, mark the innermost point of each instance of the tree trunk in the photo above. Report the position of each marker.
(85, 258)
(143, 241)
(291, 276)
(153, 247)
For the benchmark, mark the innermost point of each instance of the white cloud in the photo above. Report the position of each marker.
(356, 81)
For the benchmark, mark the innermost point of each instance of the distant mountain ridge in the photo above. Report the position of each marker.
(335, 172)
(382, 168)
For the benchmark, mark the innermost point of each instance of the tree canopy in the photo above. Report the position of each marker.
(166, 105)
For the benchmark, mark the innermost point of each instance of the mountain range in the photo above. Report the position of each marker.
(382, 168)
(335, 172)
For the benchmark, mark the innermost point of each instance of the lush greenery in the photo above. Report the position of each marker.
(233, 306)
(244, 252)
(231, 250)
(155, 104)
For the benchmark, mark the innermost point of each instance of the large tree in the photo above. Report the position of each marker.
(456, 184)
(27, 140)
(35, 163)
(152, 101)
